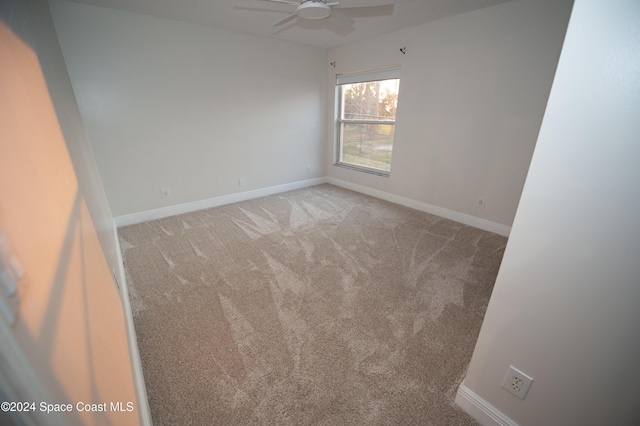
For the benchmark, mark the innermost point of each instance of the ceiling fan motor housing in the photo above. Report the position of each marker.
(313, 10)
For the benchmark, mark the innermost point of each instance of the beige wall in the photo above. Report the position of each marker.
(173, 104)
(70, 325)
(564, 308)
(473, 88)
(193, 108)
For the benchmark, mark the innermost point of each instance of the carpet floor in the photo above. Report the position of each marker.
(319, 306)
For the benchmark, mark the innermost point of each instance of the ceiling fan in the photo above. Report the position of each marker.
(320, 9)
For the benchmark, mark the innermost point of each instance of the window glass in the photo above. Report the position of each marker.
(366, 121)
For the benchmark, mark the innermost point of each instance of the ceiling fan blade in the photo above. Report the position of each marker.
(340, 20)
(285, 20)
(366, 3)
(294, 3)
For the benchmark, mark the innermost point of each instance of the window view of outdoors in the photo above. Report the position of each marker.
(367, 123)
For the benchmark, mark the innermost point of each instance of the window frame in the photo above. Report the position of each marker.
(368, 76)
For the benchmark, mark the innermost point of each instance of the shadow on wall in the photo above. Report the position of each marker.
(70, 324)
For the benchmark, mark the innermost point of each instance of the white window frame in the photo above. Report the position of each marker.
(378, 74)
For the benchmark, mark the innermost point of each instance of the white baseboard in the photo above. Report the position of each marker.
(144, 413)
(163, 212)
(160, 213)
(476, 222)
(485, 413)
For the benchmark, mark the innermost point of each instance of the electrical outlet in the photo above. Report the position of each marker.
(166, 192)
(308, 169)
(516, 382)
(480, 202)
(241, 182)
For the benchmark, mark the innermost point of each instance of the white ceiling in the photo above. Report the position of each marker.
(258, 16)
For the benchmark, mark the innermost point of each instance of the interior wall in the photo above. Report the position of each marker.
(473, 89)
(170, 104)
(565, 304)
(70, 325)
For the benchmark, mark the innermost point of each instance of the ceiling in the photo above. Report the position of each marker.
(258, 16)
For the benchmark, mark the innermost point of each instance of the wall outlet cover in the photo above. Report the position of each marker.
(517, 382)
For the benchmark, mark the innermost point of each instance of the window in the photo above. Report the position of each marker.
(367, 104)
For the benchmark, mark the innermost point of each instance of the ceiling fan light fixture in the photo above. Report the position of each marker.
(313, 10)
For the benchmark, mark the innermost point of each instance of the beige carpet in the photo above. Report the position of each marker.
(314, 307)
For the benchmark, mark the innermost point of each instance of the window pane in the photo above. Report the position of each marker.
(368, 145)
(375, 100)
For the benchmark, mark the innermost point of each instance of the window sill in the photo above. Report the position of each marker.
(363, 169)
